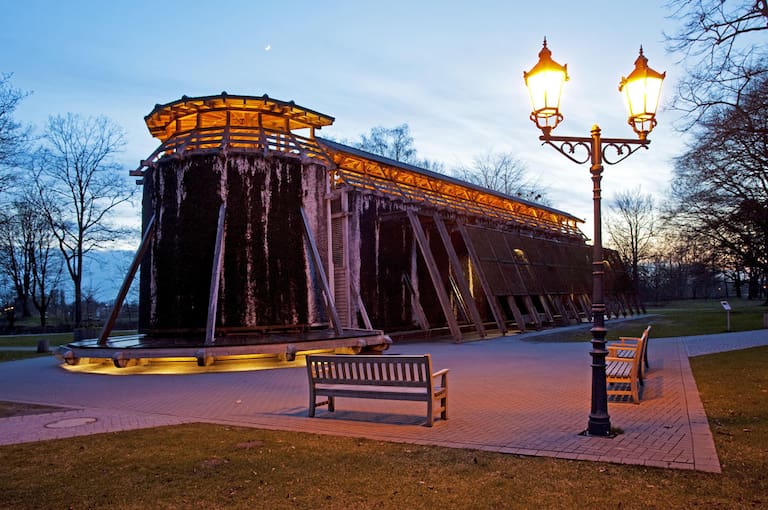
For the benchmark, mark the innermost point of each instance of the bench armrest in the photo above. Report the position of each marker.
(621, 360)
(443, 375)
(623, 347)
(614, 348)
(625, 340)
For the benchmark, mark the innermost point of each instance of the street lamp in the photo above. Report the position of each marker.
(641, 93)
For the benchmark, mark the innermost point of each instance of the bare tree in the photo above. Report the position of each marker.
(16, 241)
(393, 143)
(720, 185)
(79, 186)
(502, 172)
(723, 45)
(13, 136)
(630, 225)
(29, 261)
(46, 271)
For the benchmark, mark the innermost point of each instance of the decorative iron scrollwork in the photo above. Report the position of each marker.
(579, 149)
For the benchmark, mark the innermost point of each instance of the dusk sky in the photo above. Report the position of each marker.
(452, 70)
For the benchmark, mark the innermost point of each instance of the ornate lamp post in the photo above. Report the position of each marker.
(641, 92)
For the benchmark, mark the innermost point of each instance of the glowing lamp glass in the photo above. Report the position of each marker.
(545, 87)
(641, 91)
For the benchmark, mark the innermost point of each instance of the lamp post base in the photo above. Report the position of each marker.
(609, 435)
(599, 426)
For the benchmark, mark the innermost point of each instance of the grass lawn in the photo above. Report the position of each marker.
(210, 466)
(705, 317)
(676, 319)
(55, 339)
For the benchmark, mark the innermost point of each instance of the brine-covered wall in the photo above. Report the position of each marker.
(267, 279)
(393, 276)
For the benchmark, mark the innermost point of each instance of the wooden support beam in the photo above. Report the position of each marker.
(624, 303)
(516, 313)
(434, 274)
(421, 317)
(459, 277)
(547, 310)
(629, 304)
(586, 304)
(213, 294)
(318, 263)
(126, 286)
(572, 307)
(561, 309)
(361, 308)
(640, 305)
(532, 311)
(498, 315)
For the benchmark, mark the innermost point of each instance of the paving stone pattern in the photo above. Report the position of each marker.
(518, 395)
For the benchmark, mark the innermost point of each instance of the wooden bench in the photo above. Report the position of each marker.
(624, 348)
(622, 374)
(388, 377)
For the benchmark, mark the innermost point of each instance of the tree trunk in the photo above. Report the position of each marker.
(78, 304)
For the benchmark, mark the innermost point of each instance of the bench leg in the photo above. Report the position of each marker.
(311, 405)
(331, 404)
(444, 407)
(430, 411)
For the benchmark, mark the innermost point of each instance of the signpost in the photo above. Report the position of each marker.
(727, 307)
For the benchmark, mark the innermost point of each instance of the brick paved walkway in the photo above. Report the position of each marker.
(519, 395)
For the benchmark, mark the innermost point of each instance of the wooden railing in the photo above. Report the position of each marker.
(232, 138)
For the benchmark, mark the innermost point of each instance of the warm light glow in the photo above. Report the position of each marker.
(545, 86)
(181, 365)
(641, 91)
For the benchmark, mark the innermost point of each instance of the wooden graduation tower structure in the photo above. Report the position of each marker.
(260, 237)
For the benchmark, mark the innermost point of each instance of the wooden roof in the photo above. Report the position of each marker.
(212, 123)
(372, 172)
(225, 109)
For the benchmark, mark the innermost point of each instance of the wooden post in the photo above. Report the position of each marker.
(547, 310)
(213, 294)
(421, 317)
(361, 308)
(518, 315)
(532, 311)
(461, 281)
(498, 315)
(586, 306)
(561, 310)
(126, 286)
(434, 274)
(572, 307)
(318, 263)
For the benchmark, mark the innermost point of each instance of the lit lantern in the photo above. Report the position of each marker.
(545, 85)
(641, 91)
